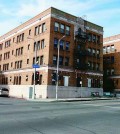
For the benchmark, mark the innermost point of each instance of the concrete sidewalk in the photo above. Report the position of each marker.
(72, 99)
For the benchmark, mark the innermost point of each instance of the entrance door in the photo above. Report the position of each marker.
(66, 80)
(79, 82)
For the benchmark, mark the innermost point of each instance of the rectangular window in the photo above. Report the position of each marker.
(67, 45)
(89, 37)
(108, 49)
(98, 39)
(67, 30)
(43, 27)
(61, 60)
(13, 39)
(38, 45)
(112, 59)
(112, 71)
(94, 38)
(62, 28)
(112, 48)
(55, 60)
(55, 43)
(56, 27)
(61, 45)
(42, 44)
(66, 61)
(27, 61)
(104, 50)
(93, 51)
(28, 46)
(41, 60)
(30, 32)
(1, 45)
(34, 46)
(36, 30)
(40, 29)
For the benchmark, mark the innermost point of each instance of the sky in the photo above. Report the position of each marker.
(105, 13)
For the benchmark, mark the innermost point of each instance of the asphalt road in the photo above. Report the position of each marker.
(92, 117)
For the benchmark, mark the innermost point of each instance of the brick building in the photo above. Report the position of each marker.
(80, 58)
(111, 64)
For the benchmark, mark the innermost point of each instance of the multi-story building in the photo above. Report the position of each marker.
(80, 56)
(111, 59)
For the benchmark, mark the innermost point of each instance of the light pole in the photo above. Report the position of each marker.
(58, 67)
(34, 63)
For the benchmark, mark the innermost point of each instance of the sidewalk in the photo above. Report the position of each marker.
(71, 99)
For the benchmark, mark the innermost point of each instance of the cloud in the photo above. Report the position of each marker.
(98, 11)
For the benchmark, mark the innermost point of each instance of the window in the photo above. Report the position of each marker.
(34, 46)
(112, 71)
(93, 52)
(30, 32)
(56, 27)
(7, 43)
(38, 45)
(98, 39)
(104, 50)
(20, 38)
(112, 48)
(67, 30)
(78, 47)
(66, 61)
(12, 52)
(36, 30)
(67, 45)
(55, 60)
(108, 72)
(108, 49)
(27, 61)
(43, 27)
(98, 53)
(40, 29)
(55, 43)
(94, 38)
(0, 57)
(41, 60)
(112, 59)
(13, 39)
(61, 44)
(28, 46)
(20, 64)
(1, 45)
(97, 66)
(89, 37)
(11, 64)
(42, 44)
(38, 60)
(61, 60)
(40, 80)
(62, 28)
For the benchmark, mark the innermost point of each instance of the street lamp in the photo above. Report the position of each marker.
(35, 63)
(58, 67)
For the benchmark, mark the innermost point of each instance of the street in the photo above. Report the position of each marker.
(81, 117)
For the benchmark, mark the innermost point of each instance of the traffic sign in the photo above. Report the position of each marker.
(36, 66)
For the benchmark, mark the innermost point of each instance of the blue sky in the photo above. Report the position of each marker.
(105, 13)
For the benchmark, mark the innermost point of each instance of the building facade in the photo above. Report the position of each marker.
(80, 56)
(111, 58)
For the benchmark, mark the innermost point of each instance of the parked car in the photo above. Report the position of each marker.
(4, 92)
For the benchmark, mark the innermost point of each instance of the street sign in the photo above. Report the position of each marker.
(36, 66)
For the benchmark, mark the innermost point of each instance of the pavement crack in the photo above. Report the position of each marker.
(30, 127)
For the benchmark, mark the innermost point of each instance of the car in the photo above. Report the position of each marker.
(4, 92)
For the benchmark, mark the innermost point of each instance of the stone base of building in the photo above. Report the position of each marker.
(48, 91)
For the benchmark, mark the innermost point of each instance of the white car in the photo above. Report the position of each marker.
(4, 92)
